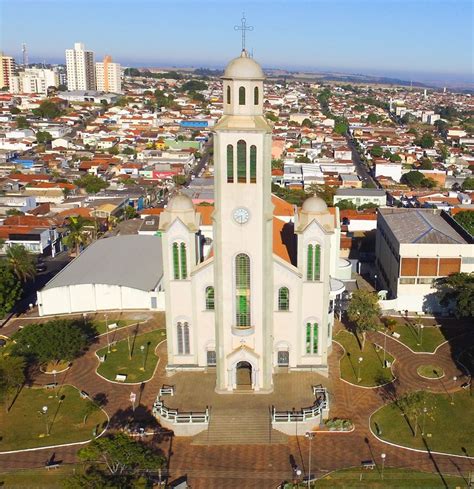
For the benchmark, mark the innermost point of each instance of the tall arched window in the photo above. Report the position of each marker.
(230, 163)
(313, 263)
(241, 95)
(241, 161)
(180, 268)
(311, 338)
(210, 298)
(182, 335)
(253, 163)
(283, 299)
(255, 96)
(228, 94)
(242, 290)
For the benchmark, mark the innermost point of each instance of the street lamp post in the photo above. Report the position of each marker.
(310, 436)
(45, 412)
(421, 334)
(383, 455)
(385, 348)
(55, 385)
(424, 416)
(375, 282)
(142, 348)
(452, 393)
(358, 369)
(107, 330)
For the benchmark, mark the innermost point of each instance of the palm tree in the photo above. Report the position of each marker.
(77, 234)
(21, 262)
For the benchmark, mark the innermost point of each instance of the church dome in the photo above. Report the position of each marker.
(244, 67)
(180, 202)
(315, 204)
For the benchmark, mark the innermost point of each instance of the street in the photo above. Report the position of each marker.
(361, 168)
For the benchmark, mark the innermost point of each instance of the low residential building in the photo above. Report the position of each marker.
(414, 247)
(361, 196)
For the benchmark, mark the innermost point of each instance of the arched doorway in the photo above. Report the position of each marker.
(243, 374)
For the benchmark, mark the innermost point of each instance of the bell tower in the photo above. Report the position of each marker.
(243, 260)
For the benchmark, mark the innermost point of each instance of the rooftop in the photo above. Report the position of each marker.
(374, 192)
(131, 261)
(420, 226)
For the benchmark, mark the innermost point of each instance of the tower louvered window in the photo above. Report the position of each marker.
(253, 163)
(242, 290)
(241, 95)
(228, 94)
(255, 96)
(230, 163)
(241, 161)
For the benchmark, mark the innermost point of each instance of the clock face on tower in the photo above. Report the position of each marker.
(241, 215)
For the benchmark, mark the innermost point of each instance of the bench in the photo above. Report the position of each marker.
(121, 377)
(113, 326)
(466, 385)
(52, 465)
(167, 390)
(51, 385)
(396, 335)
(84, 395)
(368, 464)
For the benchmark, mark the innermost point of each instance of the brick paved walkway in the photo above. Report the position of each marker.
(264, 466)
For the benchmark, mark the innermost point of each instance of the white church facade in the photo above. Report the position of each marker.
(261, 300)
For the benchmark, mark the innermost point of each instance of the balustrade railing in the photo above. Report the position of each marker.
(321, 402)
(175, 416)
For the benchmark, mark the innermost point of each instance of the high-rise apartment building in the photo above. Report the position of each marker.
(34, 80)
(108, 75)
(80, 68)
(7, 70)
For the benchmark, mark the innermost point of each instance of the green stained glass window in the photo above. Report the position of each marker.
(230, 163)
(308, 337)
(253, 163)
(311, 339)
(315, 337)
(175, 261)
(283, 299)
(184, 268)
(210, 298)
(241, 161)
(242, 290)
(317, 262)
(309, 264)
(241, 95)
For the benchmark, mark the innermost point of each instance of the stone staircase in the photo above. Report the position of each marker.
(244, 426)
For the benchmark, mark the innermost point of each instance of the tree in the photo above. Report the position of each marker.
(10, 288)
(43, 137)
(372, 118)
(376, 152)
(341, 126)
(412, 406)
(12, 376)
(121, 455)
(369, 205)
(324, 191)
(302, 159)
(128, 151)
(395, 158)
(193, 86)
(364, 311)
(277, 164)
(14, 212)
(179, 180)
(466, 220)
(20, 262)
(346, 204)
(426, 140)
(271, 117)
(21, 122)
(307, 123)
(441, 126)
(468, 184)
(77, 235)
(457, 290)
(91, 183)
(413, 178)
(426, 164)
(443, 151)
(131, 72)
(93, 478)
(47, 110)
(56, 340)
(129, 212)
(113, 150)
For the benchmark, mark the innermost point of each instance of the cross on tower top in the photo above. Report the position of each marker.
(243, 27)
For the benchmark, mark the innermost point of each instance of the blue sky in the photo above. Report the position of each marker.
(418, 39)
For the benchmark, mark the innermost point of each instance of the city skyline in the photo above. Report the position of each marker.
(414, 37)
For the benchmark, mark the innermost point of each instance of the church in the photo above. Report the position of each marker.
(261, 298)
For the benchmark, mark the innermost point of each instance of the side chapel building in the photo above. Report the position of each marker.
(263, 298)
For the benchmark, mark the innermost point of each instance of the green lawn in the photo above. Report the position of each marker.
(118, 361)
(430, 371)
(411, 336)
(38, 478)
(100, 325)
(393, 479)
(372, 372)
(25, 425)
(449, 429)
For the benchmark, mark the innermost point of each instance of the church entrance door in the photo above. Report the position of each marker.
(244, 376)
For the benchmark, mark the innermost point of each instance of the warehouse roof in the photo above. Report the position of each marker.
(130, 261)
(420, 226)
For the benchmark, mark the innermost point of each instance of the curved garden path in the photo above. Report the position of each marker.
(264, 466)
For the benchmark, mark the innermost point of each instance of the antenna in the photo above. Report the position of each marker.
(243, 27)
(24, 52)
